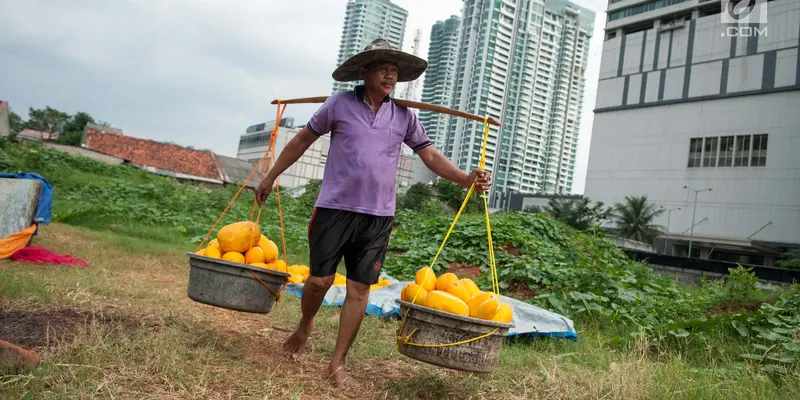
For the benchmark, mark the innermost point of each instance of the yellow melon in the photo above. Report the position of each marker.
(485, 305)
(259, 265)
(234, 257)
(270, 248)
(200, 252)
(295, 278)
(384, 282)
(459, 290)
(238, 237)
(504, 314)
(278, 265)
(445, 280)
(374, 286)
(299, 269)
(446, 302)
(213, 252)
(214, 243)
(413, 290)
(426, 278)
(339, 280)
(471, 287)
(255, 255)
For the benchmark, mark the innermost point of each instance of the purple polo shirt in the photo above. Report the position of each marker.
(361, 171)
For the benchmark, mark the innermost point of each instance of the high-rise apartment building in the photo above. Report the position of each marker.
(438, 83)
(365, 21)
(521, 62)
(693, 107)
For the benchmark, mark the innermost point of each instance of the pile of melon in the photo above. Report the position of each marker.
(243, 243)
(457, 296)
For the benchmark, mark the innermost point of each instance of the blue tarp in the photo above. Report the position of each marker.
(527, 318)
(44, 209)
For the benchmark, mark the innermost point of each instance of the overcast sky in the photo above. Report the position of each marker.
(198, 72)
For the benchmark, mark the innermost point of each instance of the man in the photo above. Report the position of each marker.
(354, 211)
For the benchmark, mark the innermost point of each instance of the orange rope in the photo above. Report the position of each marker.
(244, 184)
(278, 117)
(228, 206)
(277, 295)
(280, 216)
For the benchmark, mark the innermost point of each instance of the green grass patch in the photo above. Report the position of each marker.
(19, 286)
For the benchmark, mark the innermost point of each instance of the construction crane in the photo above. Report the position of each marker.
(411, 87)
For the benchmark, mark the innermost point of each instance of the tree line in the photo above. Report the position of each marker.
(49, 121)
(633, 219)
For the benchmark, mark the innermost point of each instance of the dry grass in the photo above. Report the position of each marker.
(140, 337)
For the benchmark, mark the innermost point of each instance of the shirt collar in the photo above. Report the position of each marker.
(360, 93)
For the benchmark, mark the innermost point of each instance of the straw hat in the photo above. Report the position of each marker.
(409, 66)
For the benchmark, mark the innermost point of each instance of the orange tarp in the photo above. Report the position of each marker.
(15, 241)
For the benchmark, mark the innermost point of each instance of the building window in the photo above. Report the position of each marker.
(695, 151)
(642, 8)
(742, 156)
(726, 151)
(733, 151)
(710, 152)
(759, 155)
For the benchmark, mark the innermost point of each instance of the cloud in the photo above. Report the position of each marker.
(196, 72)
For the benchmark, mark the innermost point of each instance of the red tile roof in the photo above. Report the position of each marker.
(154, 154)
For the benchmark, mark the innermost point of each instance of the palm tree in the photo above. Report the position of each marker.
(580, 214)
(634, 219)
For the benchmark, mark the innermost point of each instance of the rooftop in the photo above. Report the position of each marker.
(154, 154)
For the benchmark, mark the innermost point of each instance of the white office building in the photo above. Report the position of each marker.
(365, 21)
(521, 62)
(685, 100)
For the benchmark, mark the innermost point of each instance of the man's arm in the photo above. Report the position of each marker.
(288, 156)
(440, 165)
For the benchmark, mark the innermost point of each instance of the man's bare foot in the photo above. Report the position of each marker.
(338, 375)
(296, 343)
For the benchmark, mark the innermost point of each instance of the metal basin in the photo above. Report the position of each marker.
(436, 327)
(232, 285)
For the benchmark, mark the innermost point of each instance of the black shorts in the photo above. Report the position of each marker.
(361, 239)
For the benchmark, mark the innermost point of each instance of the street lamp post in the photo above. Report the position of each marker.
(694, 209)
(666, 237)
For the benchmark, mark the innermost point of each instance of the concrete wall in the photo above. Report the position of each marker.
(108, 159)
(631, 244)
(698, 59)
(645, 151)
(693, 277)
(18, 201)
(4, 123)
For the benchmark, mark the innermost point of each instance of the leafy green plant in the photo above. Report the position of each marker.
(415, 198)
(453, 195)
(578, 273)
(790, 259)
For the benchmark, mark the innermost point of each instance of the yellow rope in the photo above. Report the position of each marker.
(407, 340)
(492, 266)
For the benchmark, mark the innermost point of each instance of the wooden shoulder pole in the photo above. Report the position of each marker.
(404, 103)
